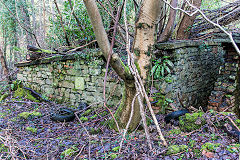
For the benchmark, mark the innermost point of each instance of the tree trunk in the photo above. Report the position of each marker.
(145, 29)
(44, 20)
(171, 18)
(186, 23)
(33, 20)
(26, 17)
(144, 36)
(4, 65)
(123, 112)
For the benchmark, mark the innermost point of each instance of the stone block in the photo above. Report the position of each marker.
(91, 89)
(85, 72)
(79, 83)
(20, 77)
(48, 73)
(40, 81)
(48, 81)
(94, 72)
(77, 65)
(72, 96)
(49, 90)
(67, 93)
(67, 84)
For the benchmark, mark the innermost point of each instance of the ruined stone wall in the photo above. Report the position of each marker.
(195, 71)
(79, 77)
(72, 78)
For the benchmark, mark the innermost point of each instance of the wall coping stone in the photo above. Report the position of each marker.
(71, 56)
(190, 43)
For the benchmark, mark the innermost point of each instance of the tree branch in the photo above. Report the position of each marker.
(207, 19)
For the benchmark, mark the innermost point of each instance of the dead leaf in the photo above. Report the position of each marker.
(208, 154)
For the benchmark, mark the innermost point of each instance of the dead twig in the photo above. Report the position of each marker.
(75, 49)
(79, 152)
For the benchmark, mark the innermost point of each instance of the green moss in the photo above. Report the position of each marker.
(94, 116)
(3, 148)
(137, 52)
(174, 149)
(113, 156)
(115, 149)
(237, 121)
(94, 131)
(3, 114)
(226, 113)
(69, 152)
(84, 119)
(210, 147)
(3, 97)
(87, 112)
(33, 130)
(174, 131)
(117, 114)
(138, 67)
(188, 121)
(126, 68)
(30, 97)
(36, 114)
(104, 113)
(234, 148)
(191, 143)
(22, 93)
(24, 115)
(228, 95)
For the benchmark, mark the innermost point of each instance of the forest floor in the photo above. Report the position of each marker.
(38, 137)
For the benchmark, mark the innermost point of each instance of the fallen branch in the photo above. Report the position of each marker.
(78, 48)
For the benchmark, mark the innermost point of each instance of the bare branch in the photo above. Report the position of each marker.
(207, 19)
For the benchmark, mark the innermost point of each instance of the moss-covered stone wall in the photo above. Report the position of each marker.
(79, 77)
(70, 78)
(196, 66)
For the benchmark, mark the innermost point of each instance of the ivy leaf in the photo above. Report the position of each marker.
(165, 57)
(169, 63)
(167, 69)
(162, 71)
(154, 69)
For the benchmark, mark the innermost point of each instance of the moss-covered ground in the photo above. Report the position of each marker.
(27, 132)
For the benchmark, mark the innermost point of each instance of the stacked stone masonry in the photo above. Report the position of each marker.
(196, 80)
(70, 79)
(195, 71)
(225, 89)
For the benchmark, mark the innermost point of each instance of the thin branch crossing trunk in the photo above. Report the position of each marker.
(61, 21)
